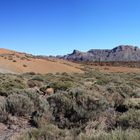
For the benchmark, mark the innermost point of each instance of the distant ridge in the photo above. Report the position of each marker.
(119, 53)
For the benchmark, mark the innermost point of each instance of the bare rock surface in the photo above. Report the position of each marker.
(120, 53)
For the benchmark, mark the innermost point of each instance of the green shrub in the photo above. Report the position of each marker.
(49, 132)
(3, 113)
(33, 95)
(117, 134)
(130, 119)
(2, 103)
(38, 78)
(61, 85)
(132, 103)
(19, 105)
(4, 117)
(136, 93)
(34, 83)
(10, 82)
(74, 108)
(42, 116)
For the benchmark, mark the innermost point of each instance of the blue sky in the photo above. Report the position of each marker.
(52, 27)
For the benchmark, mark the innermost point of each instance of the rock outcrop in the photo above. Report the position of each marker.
(120, 53)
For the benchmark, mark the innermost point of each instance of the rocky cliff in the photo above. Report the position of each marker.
(120, 53)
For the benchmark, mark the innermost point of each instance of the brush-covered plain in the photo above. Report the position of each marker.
(92, 105)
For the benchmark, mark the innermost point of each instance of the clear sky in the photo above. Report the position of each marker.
(52, 27)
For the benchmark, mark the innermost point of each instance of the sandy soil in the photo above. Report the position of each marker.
(14, 62)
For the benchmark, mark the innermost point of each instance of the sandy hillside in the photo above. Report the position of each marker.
(14, 62)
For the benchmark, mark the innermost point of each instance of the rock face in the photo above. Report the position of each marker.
(120, 53)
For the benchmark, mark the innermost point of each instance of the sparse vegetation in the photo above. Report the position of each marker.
(94, 105)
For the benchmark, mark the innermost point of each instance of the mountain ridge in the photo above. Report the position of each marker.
(119, 53)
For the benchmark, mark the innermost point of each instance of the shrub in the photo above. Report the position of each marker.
(61, 85)
(130, 119)
(42, 116)
(10, 57)
(74, 108)
(2, 103)
(30, 73)
(33, 95)
(24, 65)
(49, 132)
(117, 134)
(38, 78)
(19, 105)
(132, 103)
(10, 82)
(4, 117)
(3, 113)
(106, 121)
(14, 61)
(136, 93)
(34, 83)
